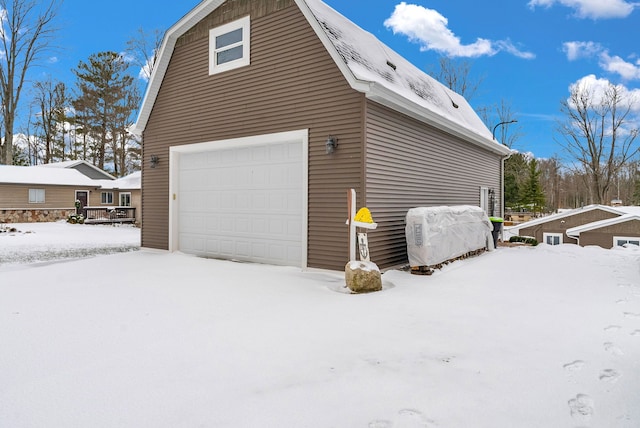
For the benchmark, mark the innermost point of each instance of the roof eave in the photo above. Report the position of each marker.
(575, 232)
(384, 96)
(162, 63)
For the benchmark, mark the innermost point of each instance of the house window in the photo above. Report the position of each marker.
(229, 46)
(125, 199)
(106, 198)
(36, 196)
(552, 238)
(619, 241)
(484, 199)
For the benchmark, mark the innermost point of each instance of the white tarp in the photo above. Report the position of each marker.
(438, 234)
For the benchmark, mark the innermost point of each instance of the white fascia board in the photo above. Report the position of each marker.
(393, 100)
(164, 57)
(574, 232)
(569, 214)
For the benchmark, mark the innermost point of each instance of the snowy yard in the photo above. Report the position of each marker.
(519, 337)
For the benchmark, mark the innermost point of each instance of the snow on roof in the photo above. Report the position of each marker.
(74, 163)
(392, 76)
(45, 176)
(367, 64)
(630, 210)
(132, 181)
(64, 164)
(574, 232)
(545, 219)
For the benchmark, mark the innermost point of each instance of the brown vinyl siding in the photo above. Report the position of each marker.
(603, 236)
(411, 164)
(291, 84)
(561, 225)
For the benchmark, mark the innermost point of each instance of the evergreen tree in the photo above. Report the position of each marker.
(104, 88)
(533, 195)
(515, 171)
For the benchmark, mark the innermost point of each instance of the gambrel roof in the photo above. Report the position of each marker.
(367, 64)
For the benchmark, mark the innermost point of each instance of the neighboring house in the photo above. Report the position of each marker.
(49, 193)
(589, 225)
(260, 115)
(122, 192)
(610, 233)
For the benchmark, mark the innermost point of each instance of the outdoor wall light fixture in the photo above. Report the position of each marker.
(331, 144)
(154, 161)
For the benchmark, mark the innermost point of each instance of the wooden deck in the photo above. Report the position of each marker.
(94, 215)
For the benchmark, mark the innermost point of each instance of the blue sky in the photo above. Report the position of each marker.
(528, 52)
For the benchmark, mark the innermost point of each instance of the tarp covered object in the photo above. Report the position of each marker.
(437, 234)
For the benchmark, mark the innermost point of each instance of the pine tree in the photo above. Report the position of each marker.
(104, 87)
(532, 192)
(515, 170)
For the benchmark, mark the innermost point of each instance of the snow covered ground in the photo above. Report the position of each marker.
(46, 242)
(519, 337)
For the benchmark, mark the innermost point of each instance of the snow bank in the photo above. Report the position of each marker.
(438, 234)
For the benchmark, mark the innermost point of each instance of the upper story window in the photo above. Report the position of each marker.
(229, 46)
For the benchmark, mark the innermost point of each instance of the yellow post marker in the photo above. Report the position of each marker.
(362, 219)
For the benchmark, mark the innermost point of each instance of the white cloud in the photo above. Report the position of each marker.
(615, 64)
(612, 64)
(594, 9)
(577, 50)
(429, 29)
(598, 88)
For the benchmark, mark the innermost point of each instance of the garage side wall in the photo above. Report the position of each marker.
(410, 164)
(291, 84)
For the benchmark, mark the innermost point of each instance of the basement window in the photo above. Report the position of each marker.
(619, 241)
(229, 46)
(552, 238)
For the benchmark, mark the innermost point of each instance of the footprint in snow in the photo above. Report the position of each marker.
(406, 418)
(581, 408)
(610, 375)
(635, 333)
(411, 418)
(632, 315)
(380, 423)
(612, 328)
(613, 349)
(574, 366)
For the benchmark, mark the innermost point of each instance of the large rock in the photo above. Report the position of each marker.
(363, 277)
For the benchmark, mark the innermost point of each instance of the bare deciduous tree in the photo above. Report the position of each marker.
(598, 134)
(144, 49)
(26, 30)
(456, 76)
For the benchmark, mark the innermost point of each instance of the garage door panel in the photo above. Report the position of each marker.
(243, 203)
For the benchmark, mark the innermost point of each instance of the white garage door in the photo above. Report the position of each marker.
(244, 203)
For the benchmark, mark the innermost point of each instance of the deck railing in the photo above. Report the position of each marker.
(109, 214)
